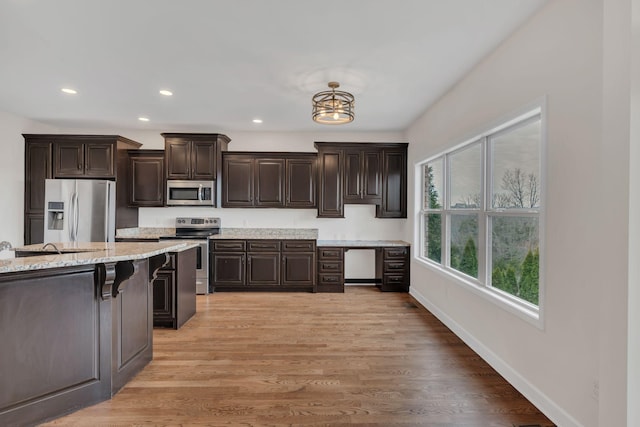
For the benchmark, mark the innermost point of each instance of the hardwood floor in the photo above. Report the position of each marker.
(358, 358)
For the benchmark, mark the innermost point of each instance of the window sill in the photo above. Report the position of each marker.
(521, 310)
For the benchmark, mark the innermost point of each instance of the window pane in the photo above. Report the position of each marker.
(464, 244)
(515, 256)
(516, 167)
(433, 237)
(433, 185)
(465, 175)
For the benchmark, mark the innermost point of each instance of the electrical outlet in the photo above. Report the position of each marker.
(595, 391)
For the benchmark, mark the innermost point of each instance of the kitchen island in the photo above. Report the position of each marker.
(76, 325)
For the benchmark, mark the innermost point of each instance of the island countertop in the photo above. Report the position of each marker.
(81, 253)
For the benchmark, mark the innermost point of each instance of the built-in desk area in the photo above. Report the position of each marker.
(391, 259)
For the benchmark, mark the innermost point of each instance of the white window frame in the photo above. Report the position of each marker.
(482, 285)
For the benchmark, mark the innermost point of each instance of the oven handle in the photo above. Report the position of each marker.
(200, 195)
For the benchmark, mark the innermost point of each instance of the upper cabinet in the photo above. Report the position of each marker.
(194, 156)
(146, 178)
(267, 179)
(362, 173)
(82, 158)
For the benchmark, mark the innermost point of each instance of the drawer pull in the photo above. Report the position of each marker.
(330, 279)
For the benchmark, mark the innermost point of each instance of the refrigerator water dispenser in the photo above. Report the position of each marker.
(55, 213)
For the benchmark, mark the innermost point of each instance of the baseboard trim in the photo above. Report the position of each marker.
(555, 413)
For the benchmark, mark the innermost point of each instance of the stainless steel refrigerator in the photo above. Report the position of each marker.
(79, 210)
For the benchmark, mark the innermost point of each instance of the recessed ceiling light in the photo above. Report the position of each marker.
(257, 121)
(166, 92)
(143, 119)
(69, 91)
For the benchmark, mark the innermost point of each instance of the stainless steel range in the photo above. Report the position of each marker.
(198, 228)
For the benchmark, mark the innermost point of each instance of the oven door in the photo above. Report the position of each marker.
(190, 193)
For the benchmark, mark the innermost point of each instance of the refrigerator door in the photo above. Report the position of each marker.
(59, 215)
(95, 211)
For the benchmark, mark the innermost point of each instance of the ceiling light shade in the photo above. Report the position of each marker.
(333, 107)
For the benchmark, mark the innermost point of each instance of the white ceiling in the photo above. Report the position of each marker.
(228, 62)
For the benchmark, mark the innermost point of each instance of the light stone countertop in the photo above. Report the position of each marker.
(82, 253)
(267, 233)
(361, 243)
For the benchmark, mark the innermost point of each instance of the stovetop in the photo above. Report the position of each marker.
(196, 227)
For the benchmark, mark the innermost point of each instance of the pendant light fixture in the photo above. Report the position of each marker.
(333, 107)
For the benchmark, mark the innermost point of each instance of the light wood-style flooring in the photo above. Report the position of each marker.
(272, 359)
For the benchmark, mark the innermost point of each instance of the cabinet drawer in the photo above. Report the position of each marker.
(263, 246)
(330, 266)
(330, 253)
(400, 252)
(394, 266)
(394, 279)
(330, 279)
(298, 246)
(228, 245)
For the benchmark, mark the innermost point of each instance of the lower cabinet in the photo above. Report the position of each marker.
(392, 266)
(330, 270)
(174, 290)
(262, 265)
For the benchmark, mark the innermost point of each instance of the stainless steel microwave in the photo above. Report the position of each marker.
(190, 193)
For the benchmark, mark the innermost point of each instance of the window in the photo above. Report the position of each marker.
(480, 212)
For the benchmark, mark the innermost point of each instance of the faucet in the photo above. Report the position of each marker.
(53, 246)
(5, 245)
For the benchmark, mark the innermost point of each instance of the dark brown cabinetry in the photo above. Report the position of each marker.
(74, 156)
(362, 173)
(268, 180)
(363, 176)
(195, 156)
(146, 178)
(174, 290)
(392, 266)
(394, 184)
(298, 262)
(89, 158)
(263, 265)
(330, 270)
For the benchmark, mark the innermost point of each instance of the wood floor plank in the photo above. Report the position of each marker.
(274, 359)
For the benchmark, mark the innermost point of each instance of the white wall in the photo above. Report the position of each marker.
(12, 173)
(557, 54)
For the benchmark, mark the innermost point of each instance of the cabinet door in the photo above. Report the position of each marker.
(99, 160)
(227, 269)
(352, 180)
(372, 176)
(394, 185)
(263, 268)
(178, 158)
(269, 183)
(146, 179)
(163, 298)
(363, 176)
(301, 183)
(37, 169)
(203, 160)
(68, 158)
(237, 189)
(34, 229)
(330, 202)
(298, 268)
